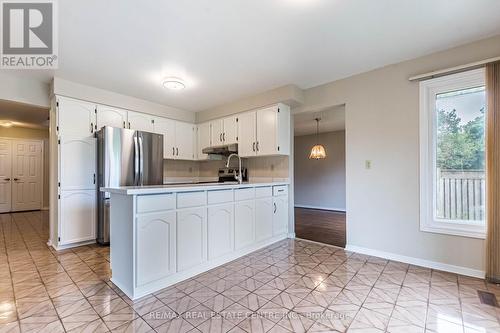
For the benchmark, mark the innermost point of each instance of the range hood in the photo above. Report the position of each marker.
(224, 150)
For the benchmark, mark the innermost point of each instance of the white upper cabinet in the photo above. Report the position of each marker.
(167, 128)
(109, 116)
(140, 121)
(217, 131)
(184, 140)
(273, 130)
(247, 134)
(76, 118)
(203, 140)
(230, 134)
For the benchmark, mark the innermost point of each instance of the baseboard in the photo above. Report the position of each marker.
(44, 208)
(320, 208)
(418, 262)
(291, 235)
(69, 246)
(319, 243)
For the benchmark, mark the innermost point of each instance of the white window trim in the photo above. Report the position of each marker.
(428, 91)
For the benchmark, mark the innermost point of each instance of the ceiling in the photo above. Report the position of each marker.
(228, 49)
(332, 119)
(24, 115)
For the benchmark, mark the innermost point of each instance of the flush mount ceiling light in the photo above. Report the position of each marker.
(173, 83)
(6, 123)
(318, 151)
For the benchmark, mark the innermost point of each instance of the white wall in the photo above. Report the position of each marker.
(382, 125)
(320, 183)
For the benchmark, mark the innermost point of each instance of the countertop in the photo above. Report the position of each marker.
(171, 188)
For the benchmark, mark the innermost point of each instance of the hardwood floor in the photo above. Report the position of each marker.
(321, 226)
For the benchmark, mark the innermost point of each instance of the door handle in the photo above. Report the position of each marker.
(15, 179)
(141, 161)
(136, 161)
(274, 207)
(7, 179)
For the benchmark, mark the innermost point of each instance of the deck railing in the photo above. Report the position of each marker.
(460, 195)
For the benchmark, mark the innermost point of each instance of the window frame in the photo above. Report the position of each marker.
(429, 89)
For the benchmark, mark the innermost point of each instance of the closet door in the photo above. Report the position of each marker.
(26, 175)
(5, 175)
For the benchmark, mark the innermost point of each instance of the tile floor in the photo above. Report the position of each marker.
(291, 286)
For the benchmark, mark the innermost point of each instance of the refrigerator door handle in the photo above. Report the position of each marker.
(136, 161)
(141, 162)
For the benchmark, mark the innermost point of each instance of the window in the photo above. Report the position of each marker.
(452, 154)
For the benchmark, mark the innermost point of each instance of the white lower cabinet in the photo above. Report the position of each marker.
(78, 216)
(263, 219)
(155, 246)
(280, 216)
(244, 224)
(191, 238)
(220, 230)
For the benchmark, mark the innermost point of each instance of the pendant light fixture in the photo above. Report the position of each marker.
(318, 151)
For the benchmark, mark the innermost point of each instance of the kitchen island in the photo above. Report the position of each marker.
(161, 235)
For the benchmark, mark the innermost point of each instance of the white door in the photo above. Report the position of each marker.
(280, 217)
(26, 175)
(77, 163)
(203, 140)
(246, 134)
(191, 238)
(166, 127)
(76, 117)
(230, 130)
(220, 230)
(266, 131)
(184, 139)
(108, 116)
(263, 219)
(155, 234)
(244, 224)
(78, 216)
(5, 175)
(217, 132)
(140, 121)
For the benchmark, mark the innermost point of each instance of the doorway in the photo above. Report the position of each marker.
(319, 183)
(23, 157)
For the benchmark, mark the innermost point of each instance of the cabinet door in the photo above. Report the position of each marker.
(203, 140)
(230, 134)
(155, 234)
(217, 132)
(244, 224)
(263, 219)
(246, 134)
(77, 163)
(167, 128)
(76, 118)
(266, 131)
(184, 139)
(140, 121)
(191, 238)
(220, 230)
(5, 175)
(78, 216)
(280, 216)
(108, 116)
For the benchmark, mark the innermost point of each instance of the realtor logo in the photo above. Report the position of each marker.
(29, 34)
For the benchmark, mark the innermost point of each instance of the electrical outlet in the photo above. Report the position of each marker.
(368, 164)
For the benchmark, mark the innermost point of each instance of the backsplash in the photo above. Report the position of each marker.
(269, 168)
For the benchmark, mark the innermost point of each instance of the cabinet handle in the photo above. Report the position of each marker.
(257, 146)
(173, 151)
(177, 150)
(274, 207)
(129, 125)
(220, 137)
(224, 137)
(16, 179)
(253, 146)
(124, 125)
(91, 127)
(7, 179)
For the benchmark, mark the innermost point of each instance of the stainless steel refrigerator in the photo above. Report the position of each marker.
(125, 158)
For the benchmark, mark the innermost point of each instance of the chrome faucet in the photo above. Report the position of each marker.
(239, 178)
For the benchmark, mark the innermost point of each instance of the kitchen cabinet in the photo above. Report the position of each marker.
(217, 131)
(156, 238)
(178, 138)
(76, 118)
(265, 132)
(263, 219)
(280, 215)
(224, 131)
(220, 230)
(77, 163)
(203, 140)
(166, 127)
(140, 121)
(113, 117)
(244, 224)
(77, 216)
(191, 238)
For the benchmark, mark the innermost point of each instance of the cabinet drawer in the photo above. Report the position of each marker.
(244, 194)
(220, 196)
(155, 203)
(262, 192)
(191, 199)
(280, 190)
